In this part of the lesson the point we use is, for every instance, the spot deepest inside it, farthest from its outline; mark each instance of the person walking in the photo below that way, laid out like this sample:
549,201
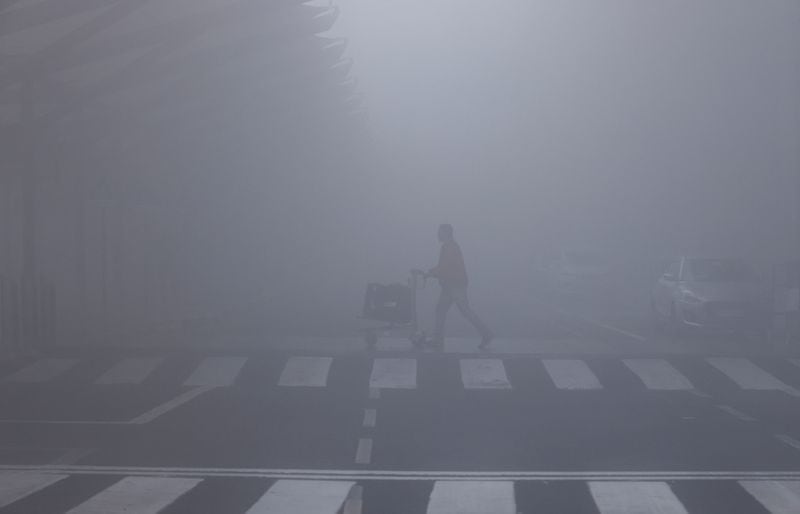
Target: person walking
452,275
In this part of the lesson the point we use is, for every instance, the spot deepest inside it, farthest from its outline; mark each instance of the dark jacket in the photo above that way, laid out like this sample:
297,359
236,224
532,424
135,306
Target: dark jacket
450,271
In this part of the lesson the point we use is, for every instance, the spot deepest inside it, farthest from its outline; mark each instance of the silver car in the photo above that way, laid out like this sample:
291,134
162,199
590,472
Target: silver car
710,293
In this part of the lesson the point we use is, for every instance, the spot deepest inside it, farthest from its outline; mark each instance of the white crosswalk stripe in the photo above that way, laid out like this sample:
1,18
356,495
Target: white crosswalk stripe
746,374
137,495
567,374
216,372
130,371
571,374
15,486
306,372
394,374
303,497
149,494
658,374
777,497
43,370
635,498
484,374
472,497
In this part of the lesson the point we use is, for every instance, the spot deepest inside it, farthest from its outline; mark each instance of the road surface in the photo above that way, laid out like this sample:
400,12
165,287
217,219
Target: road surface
591,421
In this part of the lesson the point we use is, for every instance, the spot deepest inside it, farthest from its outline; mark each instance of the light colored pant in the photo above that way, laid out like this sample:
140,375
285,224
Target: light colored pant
447,298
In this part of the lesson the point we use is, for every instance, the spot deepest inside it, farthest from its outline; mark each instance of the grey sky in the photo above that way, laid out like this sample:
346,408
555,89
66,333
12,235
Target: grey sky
642,128
677,115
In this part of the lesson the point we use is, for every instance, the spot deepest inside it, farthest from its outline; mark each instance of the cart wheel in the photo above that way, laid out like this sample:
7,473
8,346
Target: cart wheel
371,338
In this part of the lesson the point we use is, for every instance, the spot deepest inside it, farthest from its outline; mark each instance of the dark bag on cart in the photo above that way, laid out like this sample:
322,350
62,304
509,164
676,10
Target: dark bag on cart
388,303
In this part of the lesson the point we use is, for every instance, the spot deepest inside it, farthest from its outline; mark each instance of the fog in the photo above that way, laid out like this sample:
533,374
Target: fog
201,179
642,131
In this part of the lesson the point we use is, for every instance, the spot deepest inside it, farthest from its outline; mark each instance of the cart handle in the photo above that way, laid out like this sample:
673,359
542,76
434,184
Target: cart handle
419,273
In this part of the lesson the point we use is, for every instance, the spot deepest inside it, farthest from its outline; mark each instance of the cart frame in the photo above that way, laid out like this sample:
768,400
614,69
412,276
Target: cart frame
416,282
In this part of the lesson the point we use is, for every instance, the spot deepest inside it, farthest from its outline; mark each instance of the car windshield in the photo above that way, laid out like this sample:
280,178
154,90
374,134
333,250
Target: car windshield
720,270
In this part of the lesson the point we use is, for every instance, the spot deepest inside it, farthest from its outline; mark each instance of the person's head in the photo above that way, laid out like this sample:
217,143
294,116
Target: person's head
445,232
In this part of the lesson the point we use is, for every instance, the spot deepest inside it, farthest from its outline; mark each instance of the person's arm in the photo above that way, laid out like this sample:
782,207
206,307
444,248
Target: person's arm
448,257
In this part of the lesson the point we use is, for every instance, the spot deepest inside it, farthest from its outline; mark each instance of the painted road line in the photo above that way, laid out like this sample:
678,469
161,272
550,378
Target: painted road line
137,495
306,372
777,497
73,456
746,374
470,497
484,374
635,498
364,451
790,441
735,413
216,372
43,371
370,417
170,405
303,497
571,374
399,474
130,371
658,374
393,374
15,486
621,331
59,422
355,501
701,394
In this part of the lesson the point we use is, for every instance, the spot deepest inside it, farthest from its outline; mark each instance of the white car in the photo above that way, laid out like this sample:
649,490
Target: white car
710,293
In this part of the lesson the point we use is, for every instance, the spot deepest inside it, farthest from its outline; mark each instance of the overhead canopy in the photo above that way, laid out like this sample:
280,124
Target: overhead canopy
73,54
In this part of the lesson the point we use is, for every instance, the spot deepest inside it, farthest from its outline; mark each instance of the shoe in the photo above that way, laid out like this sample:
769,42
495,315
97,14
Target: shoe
487,339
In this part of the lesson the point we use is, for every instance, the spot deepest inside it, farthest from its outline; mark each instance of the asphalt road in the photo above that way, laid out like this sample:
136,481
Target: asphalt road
588,419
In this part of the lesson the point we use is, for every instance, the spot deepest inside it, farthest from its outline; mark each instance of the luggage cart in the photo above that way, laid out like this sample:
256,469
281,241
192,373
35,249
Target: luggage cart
394,305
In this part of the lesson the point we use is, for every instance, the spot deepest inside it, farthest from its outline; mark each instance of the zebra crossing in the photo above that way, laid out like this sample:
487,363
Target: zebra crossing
306,372
484,374
155,493
393,373
15,486
405,373
632,497
43,370
747,375
130,371
571,374
216,372
472,498
137,495
658,374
